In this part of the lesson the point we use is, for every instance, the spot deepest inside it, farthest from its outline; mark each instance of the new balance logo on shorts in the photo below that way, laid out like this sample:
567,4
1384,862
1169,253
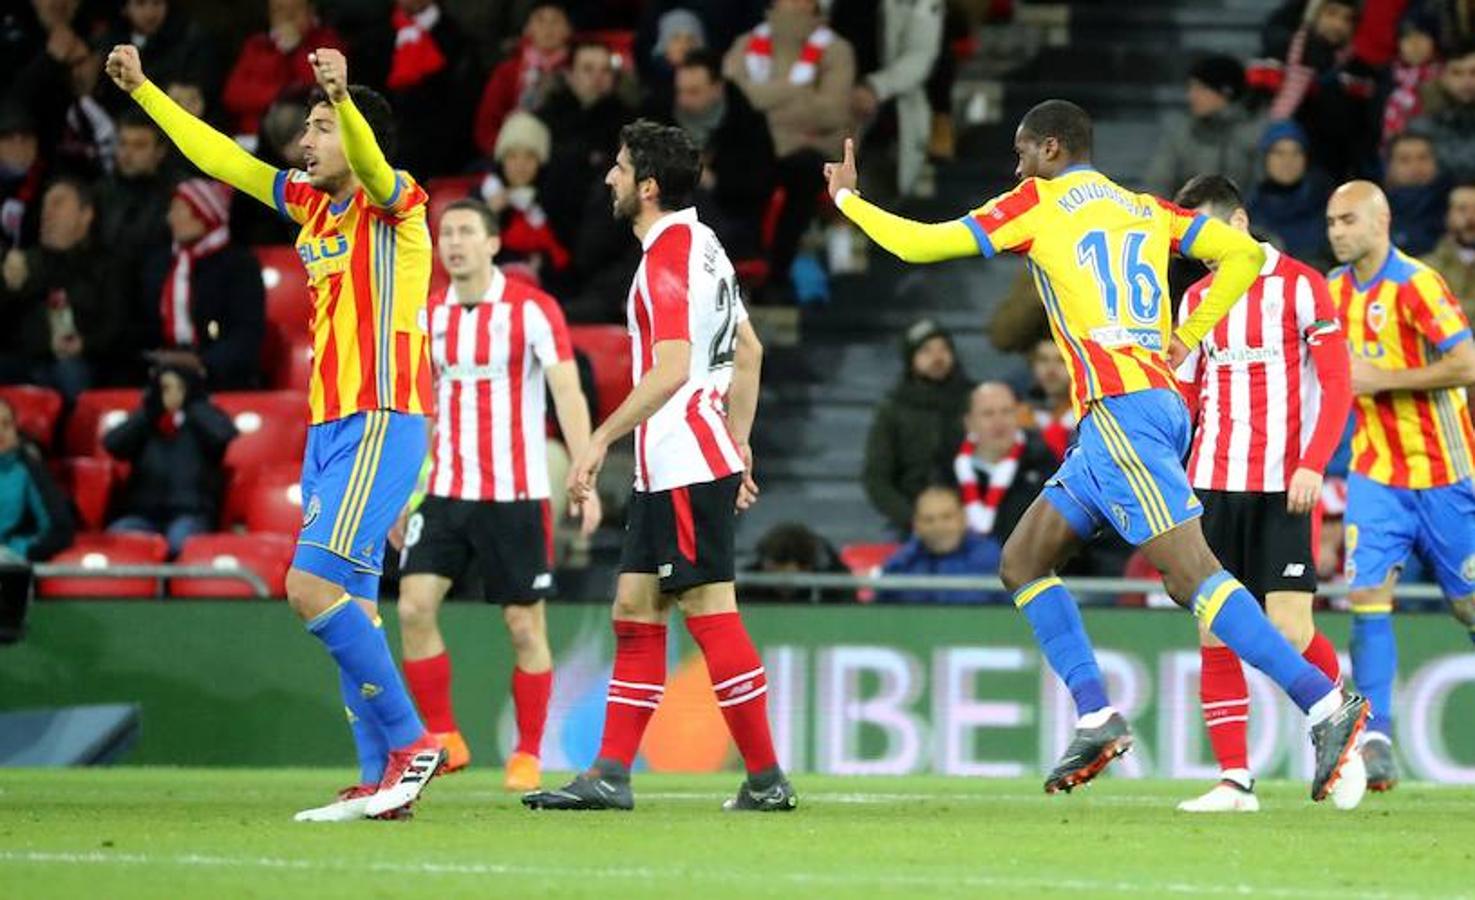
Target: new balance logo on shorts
665,570
543,581
1294,570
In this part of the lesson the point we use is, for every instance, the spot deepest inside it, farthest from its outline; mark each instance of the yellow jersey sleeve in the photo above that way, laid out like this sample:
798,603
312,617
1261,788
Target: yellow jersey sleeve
214,153
910,241
1008,222
365,158
1239,258
1428,305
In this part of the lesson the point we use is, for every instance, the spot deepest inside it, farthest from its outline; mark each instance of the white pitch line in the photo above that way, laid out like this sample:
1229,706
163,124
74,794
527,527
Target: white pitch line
938,881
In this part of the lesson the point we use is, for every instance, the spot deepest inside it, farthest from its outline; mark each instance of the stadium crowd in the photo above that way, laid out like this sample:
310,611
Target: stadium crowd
130,283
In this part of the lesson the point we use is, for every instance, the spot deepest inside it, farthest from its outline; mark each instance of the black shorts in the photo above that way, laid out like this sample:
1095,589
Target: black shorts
684,536
1261,543
511,543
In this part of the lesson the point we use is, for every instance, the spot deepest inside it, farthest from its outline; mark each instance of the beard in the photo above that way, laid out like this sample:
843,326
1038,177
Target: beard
625,208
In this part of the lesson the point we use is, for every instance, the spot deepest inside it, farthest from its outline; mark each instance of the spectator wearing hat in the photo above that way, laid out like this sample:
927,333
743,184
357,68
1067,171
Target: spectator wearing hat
526,79
918,425
513,193
174,442
1219,136
274,61
22,174
60,300
1417,193
678,32
584,115
204,303
35,521
428,68
1289,202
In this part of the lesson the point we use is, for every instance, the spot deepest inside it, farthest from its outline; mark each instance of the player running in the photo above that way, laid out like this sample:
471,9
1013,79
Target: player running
1269,385
367,253
498,345
1410,486
1099,254
693,349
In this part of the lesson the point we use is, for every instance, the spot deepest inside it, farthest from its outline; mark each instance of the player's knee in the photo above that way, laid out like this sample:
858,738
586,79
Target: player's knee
523,629
1293,622
416,612
1017,567
309,595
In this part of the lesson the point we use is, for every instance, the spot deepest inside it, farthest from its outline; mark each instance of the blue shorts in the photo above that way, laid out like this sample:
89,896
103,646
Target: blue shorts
1127,468
1385,524
357,474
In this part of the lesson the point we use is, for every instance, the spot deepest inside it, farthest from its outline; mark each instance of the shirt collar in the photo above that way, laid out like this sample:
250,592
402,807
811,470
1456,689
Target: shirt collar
495,289
1272,259
687,216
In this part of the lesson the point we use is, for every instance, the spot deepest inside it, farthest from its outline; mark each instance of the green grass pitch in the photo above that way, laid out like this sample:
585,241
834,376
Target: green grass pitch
185,833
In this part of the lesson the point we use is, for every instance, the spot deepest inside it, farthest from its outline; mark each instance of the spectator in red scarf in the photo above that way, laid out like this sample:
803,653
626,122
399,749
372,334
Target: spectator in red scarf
204,304
1000,467
1049,409
512,191
1416,65
526,79
275,60
428,66
174,441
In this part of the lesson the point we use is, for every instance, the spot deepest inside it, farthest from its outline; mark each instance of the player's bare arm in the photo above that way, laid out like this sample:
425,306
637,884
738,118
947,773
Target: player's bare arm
214,153
1455,369
742,405
572,410
666,376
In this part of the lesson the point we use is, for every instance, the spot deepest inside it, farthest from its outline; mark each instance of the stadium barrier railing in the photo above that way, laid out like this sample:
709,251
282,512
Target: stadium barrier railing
160,571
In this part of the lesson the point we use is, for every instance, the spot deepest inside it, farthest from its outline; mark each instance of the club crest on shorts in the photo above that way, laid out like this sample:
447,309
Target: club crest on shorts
1467,568
311,512
1120,512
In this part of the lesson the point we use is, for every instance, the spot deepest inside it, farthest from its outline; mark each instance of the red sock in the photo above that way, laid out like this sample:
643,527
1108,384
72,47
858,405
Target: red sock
635,688
1226,702
740,683
530,699
1323,655
429,681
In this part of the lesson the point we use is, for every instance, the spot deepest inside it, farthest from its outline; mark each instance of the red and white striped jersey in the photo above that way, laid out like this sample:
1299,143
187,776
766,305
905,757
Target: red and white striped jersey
490,358
685,289
1262,382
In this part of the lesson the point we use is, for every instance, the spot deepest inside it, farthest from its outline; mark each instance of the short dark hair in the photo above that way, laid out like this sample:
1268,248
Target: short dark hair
583,44
1063,121
703,58
488,218
1404,137
375,110
1218,192
666,154
133,117
81,188
792,544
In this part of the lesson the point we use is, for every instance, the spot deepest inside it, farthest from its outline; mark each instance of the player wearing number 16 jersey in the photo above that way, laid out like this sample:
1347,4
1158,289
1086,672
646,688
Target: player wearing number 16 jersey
696,363
1099,255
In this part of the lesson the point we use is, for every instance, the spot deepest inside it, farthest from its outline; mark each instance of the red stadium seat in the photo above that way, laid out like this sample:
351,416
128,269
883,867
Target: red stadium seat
272,426
88,480
866,559
291,366
36,411
268,499
268,555
445,191
101,551
288,300
608,349
96,412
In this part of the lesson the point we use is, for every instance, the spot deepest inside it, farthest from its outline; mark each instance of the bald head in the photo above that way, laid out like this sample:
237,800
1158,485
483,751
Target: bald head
992,419
1357,221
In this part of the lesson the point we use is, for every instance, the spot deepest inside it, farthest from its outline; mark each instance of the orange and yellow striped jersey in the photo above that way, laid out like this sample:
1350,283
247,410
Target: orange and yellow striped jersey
1099,256
368,268
1404,318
